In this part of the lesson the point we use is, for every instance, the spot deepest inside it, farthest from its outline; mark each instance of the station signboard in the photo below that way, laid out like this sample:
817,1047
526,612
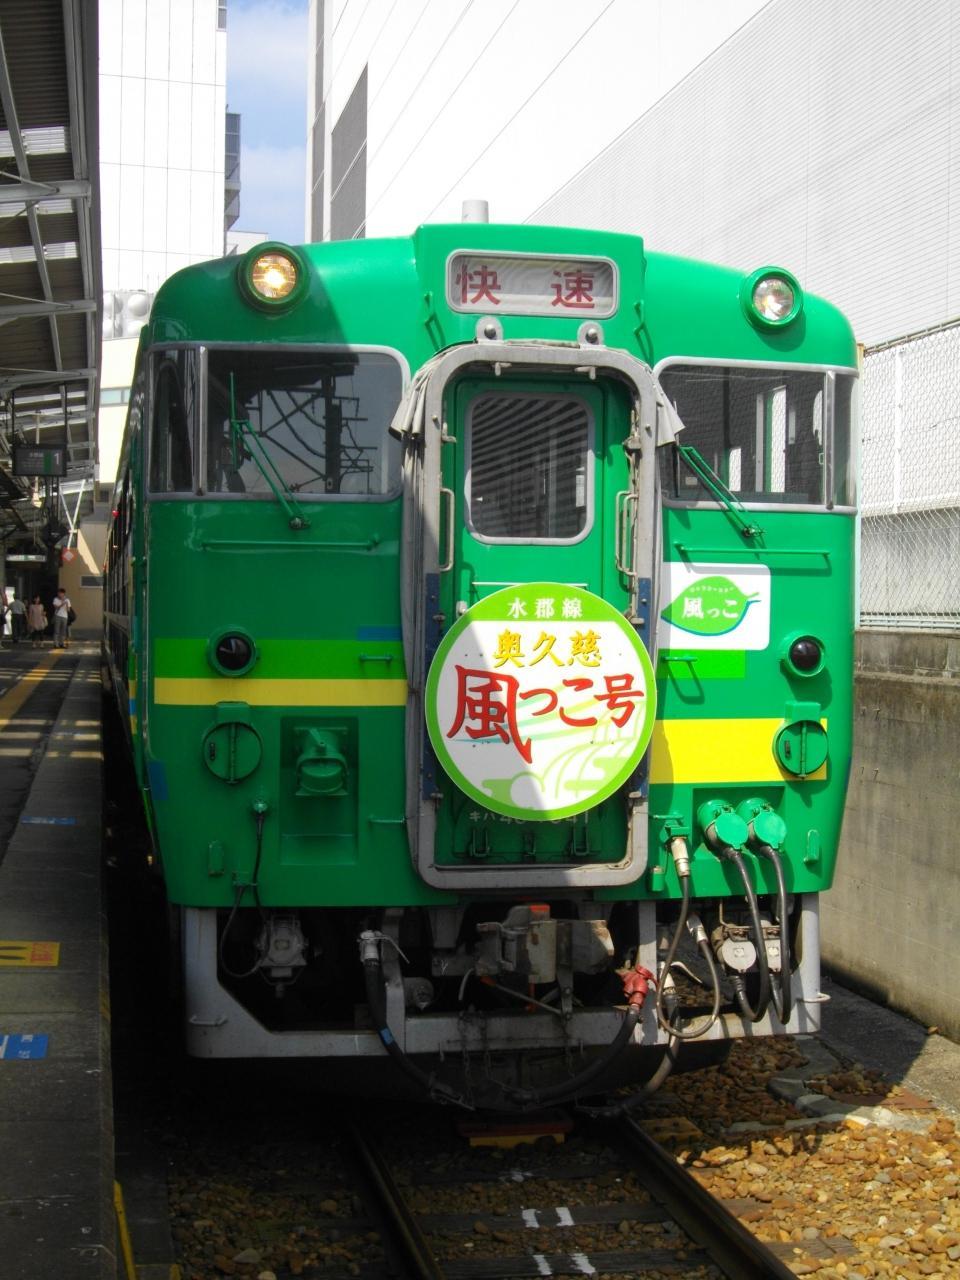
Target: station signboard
39,460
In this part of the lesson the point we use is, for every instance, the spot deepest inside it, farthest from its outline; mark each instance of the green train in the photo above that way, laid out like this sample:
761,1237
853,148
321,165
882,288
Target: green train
480,607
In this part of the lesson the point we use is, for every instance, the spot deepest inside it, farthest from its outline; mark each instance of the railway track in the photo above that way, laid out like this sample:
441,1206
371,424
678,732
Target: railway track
665,1224
266,1181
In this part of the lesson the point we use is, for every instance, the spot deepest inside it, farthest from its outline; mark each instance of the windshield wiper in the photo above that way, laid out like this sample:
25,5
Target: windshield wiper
702,469
242,435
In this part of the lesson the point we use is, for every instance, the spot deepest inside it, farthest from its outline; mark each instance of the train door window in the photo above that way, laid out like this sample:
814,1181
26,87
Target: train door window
174,397
318,421
844,441
529,468
761,430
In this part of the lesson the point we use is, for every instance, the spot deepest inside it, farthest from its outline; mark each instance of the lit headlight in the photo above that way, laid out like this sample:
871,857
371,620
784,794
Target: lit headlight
273,275
771,297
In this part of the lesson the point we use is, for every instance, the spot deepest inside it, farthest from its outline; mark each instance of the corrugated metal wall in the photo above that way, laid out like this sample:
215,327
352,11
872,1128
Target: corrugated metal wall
348,166
821,136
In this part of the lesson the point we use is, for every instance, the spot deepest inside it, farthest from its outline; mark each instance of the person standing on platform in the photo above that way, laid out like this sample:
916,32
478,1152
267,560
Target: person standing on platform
18,615
36,620
61,610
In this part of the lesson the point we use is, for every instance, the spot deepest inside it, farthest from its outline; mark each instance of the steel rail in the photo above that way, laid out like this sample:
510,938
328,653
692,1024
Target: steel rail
406,1233
737,1251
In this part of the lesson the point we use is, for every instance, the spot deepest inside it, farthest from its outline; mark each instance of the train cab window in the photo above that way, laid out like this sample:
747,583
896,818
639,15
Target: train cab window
763,431
529,468
318,419
174,395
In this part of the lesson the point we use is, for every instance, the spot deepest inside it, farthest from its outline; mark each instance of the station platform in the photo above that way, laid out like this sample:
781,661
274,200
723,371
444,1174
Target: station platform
56,1126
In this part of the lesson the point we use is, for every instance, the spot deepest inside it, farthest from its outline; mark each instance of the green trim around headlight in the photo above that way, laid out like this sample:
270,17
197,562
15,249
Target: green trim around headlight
749,284
245,276
786,656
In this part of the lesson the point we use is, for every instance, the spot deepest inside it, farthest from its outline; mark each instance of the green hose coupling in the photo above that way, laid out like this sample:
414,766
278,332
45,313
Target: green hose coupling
722,827
764,824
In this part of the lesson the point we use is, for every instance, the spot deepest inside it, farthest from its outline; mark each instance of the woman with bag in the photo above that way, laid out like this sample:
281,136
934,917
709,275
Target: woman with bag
62,609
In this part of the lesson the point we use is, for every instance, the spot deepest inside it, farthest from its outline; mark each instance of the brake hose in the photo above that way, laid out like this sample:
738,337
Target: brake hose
525,1098
681,858
739,986
700,1027
376,1000
569,1088
259,817
782,993
646,1090
672,950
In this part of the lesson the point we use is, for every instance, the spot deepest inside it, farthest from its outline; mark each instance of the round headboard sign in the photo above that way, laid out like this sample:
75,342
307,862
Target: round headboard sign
540,701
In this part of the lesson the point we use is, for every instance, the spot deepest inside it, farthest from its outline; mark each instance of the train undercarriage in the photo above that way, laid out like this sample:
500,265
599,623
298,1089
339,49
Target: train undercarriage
493,1004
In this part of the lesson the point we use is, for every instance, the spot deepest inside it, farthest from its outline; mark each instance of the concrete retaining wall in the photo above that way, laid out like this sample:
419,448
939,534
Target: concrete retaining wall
891,923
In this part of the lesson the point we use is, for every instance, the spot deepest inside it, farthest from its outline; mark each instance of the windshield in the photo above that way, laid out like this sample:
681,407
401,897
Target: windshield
763,431
321,418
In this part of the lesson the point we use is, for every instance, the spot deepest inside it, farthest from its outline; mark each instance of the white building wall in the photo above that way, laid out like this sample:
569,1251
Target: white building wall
116,374
841,161
502,100
162,119
163,102
821,136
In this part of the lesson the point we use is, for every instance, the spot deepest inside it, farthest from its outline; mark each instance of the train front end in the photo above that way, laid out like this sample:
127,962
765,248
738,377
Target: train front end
490,653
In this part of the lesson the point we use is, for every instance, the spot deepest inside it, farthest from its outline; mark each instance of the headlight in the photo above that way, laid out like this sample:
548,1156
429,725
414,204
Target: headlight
771,297
273,276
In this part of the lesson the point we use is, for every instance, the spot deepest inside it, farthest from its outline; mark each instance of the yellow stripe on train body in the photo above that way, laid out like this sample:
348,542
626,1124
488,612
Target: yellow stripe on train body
682,751
716,751
171,691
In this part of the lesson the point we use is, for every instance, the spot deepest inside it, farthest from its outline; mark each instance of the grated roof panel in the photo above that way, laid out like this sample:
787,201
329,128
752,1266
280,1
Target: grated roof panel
49,134
34,38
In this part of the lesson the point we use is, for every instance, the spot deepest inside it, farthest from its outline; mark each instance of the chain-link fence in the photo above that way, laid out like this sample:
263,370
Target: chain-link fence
910,482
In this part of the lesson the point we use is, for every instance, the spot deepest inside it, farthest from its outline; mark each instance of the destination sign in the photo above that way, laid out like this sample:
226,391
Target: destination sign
510,284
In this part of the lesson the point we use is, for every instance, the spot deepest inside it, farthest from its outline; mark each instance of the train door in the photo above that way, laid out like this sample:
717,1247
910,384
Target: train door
530,477
527,464
531,484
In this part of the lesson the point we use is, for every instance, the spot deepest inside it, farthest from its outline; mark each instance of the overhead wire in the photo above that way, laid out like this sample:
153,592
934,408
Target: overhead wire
527,100
443,106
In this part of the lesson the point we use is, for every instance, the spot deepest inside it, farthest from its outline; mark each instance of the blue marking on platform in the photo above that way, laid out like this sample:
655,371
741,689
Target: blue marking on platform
158,780
50,822
379,633
23,1046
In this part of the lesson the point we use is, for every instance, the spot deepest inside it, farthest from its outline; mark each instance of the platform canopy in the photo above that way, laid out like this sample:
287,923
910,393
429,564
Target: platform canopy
50,272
